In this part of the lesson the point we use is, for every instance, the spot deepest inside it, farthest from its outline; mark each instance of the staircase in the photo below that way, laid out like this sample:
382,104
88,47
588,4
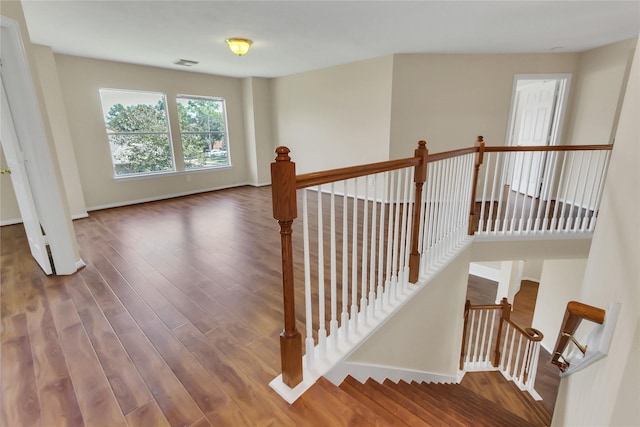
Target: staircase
482,399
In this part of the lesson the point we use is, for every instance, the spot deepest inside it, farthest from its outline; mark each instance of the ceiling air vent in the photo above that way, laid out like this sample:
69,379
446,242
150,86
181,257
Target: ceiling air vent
185,62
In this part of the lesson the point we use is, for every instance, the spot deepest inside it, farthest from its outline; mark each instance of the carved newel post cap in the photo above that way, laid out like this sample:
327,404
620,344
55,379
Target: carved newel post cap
283,154
422,144
480,138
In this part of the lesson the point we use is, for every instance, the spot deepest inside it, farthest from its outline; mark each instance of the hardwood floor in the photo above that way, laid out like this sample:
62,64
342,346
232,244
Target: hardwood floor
173,322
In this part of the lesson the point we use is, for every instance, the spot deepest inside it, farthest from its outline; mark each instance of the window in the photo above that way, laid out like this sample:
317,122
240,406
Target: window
203,131
138,131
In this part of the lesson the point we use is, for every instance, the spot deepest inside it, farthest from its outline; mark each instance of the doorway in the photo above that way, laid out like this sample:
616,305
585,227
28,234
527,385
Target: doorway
537,112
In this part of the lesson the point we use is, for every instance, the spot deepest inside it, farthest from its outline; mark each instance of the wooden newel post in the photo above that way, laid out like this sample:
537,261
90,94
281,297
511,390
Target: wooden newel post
283,193
504,316
476,169
420,176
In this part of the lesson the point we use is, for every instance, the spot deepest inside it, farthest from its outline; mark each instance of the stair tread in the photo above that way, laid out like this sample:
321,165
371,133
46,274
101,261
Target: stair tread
387,403
373,413
429,405
423,413
493,386
476,409
340,413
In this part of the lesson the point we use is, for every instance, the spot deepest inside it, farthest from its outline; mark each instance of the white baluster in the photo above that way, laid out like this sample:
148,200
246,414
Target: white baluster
511,347
372,245
388,291
557,220
504,347
396,237
531,380
310,350
322,331
345,261
493,321
603,174
354,259
590,210
484,336
333,325
515,362
570,220
487,167
365,252
494,184
402,260
476,347
383,208
471,347
542,223
521,225
581,206
502,225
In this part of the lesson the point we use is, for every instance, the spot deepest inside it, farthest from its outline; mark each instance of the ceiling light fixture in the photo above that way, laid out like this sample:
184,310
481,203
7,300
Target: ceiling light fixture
239,46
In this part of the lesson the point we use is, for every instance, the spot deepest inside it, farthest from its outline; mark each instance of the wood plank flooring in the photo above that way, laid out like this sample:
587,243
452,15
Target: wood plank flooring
173,322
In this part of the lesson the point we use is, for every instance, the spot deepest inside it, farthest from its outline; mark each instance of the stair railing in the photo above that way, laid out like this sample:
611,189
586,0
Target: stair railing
492,341
538,190
385,225
371,212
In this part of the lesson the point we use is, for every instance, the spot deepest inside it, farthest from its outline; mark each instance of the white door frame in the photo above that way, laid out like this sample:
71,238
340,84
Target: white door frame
46,185
557,123
21,186
560,107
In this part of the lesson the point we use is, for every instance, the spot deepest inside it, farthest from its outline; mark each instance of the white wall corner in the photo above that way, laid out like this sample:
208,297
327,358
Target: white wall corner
484,272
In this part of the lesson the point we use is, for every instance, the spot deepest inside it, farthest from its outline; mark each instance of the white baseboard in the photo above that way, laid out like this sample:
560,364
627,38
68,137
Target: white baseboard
19,220
11,221
163,197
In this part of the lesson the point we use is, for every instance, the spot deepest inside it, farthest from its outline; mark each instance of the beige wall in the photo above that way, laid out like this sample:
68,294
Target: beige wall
560,283
450,99
598,89
612,274
256,94
81,78
57,116
335,117
412,338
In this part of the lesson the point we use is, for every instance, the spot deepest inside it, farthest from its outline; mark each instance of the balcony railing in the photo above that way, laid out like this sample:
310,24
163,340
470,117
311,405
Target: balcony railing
369,234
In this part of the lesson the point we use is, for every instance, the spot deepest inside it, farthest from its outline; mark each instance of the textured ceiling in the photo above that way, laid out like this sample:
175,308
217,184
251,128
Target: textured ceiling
295,36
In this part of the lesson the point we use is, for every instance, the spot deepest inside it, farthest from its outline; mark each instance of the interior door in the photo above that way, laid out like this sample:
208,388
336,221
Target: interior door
20,181
536,106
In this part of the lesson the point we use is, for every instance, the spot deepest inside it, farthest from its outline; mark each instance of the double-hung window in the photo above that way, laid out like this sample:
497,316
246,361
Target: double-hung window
138,131
203,131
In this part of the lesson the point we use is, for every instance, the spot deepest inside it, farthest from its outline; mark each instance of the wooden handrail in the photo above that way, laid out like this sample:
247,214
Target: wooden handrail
453,153
333,175
573,316
506,148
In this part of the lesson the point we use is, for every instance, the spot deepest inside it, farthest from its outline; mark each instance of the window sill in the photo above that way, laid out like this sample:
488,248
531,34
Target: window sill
164,174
